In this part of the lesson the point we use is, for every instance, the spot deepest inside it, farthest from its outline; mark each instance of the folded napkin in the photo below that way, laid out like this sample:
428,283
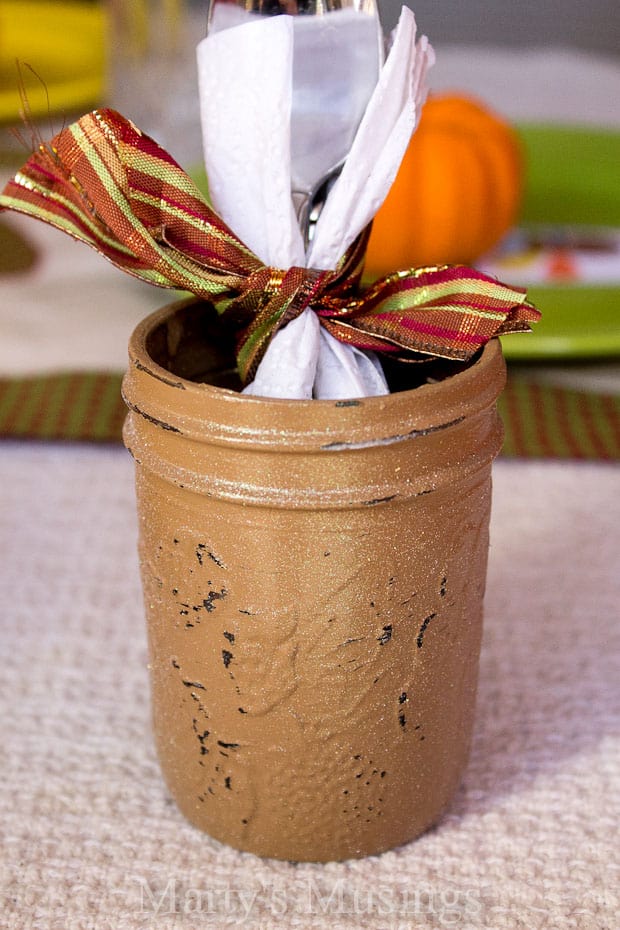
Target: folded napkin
245,80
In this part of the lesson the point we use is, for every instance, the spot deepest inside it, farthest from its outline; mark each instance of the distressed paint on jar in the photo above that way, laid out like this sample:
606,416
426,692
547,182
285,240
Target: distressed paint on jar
313,574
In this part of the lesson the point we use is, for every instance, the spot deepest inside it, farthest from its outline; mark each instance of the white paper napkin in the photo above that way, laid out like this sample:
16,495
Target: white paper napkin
245,82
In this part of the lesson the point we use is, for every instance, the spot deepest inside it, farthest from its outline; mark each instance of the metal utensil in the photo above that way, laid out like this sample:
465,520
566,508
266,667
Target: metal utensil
337,55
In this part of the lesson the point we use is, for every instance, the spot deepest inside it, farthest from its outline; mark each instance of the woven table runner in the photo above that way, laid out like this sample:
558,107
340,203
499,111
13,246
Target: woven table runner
541,420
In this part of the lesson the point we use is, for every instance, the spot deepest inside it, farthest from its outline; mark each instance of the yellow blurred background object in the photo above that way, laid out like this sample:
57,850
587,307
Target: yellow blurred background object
61,51
458,189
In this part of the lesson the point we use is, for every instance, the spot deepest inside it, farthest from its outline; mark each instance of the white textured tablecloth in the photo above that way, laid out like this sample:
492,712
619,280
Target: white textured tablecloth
90,838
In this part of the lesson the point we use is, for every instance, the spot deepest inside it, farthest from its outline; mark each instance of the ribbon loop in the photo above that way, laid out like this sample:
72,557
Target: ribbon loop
106,183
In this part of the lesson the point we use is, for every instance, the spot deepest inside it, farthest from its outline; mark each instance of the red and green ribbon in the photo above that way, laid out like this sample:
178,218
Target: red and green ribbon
106,183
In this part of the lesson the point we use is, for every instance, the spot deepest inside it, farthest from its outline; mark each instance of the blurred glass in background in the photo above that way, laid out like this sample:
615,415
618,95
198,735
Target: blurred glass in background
139,55
59,58
152,77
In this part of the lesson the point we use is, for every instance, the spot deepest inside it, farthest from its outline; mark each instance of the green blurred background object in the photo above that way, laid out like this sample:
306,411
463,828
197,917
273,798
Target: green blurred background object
572,180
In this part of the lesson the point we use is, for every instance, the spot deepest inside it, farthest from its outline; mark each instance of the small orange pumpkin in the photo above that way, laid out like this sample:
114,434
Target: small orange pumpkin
456,193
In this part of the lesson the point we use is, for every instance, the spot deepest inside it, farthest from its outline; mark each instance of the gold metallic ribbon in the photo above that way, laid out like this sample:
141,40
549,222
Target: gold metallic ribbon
106,183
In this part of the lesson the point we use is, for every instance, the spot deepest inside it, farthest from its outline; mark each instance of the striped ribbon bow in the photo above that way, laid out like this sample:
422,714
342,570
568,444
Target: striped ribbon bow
106,183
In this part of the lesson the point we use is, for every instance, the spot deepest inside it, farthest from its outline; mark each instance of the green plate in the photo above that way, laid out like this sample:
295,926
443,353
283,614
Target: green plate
577,322
572,179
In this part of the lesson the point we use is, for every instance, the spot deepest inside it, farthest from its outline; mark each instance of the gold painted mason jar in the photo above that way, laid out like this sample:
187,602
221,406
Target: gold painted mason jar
313,575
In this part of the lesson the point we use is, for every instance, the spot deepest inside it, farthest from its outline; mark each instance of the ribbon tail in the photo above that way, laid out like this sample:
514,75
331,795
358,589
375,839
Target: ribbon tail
446,311
520,319
26,194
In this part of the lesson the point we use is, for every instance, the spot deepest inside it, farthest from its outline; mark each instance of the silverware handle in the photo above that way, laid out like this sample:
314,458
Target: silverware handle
309,204
292,7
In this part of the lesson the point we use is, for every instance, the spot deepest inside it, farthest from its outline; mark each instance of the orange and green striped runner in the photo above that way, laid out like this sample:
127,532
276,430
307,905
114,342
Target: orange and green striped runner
541,420
546,421
79,406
